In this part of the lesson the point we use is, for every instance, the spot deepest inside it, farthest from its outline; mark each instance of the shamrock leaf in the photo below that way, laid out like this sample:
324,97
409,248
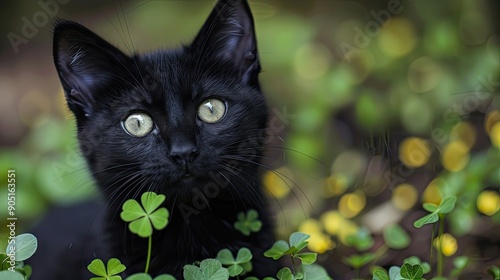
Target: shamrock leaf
297,242
108,272
143,218
412,272
248,223
210,269
445,207
236,266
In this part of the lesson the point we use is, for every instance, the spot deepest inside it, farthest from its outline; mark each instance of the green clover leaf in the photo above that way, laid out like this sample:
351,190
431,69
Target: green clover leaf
248,223
236,266
108,272
146,217
297,242
210,269
445,207
412,272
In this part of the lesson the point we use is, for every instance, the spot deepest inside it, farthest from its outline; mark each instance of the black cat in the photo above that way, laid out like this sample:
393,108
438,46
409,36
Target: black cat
188,123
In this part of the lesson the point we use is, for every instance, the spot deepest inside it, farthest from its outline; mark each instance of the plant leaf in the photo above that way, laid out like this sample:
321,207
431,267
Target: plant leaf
394,273
225,257
244,255
235,270
164,277
307,258
299,241
412,272
357,261
380,274
141,227
139,276
131,210
427,219
159,218
25,244
150,201
315,272
114,266
430,207
9,275
210,269
447,205
97,268
395,237
276,252
285,274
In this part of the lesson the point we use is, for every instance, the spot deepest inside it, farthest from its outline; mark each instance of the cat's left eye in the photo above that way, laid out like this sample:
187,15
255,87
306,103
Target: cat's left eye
138,124
212,110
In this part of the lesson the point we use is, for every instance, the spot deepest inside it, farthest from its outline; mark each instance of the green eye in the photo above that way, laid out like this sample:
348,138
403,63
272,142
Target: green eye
212,110
138,124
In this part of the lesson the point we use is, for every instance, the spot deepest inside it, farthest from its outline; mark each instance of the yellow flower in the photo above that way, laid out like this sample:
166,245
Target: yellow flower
488,202
447,244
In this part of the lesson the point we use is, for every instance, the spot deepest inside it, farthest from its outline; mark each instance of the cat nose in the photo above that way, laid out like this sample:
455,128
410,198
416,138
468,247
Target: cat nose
183,153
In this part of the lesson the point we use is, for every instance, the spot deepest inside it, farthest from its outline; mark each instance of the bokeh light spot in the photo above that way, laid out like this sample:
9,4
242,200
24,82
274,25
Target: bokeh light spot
432,193
464,132
332,221
455,156
397,38
312,61
336,184
495,135
424,74
488,202
414,152
404,196
277,182
492,118
351,204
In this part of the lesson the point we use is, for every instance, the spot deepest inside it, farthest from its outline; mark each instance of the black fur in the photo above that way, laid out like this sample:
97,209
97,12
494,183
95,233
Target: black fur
103,85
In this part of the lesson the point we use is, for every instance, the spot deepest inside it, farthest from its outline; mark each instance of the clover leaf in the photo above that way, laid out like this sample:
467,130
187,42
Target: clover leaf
248,223
412,272
236,266
297,242
445,207
143,218
144,276
210,269
108,272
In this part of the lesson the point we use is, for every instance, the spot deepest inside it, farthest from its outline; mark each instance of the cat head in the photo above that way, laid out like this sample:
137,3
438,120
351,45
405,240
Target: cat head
171,119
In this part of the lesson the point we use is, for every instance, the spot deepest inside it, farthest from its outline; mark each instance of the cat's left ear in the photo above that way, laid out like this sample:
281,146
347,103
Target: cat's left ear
228,34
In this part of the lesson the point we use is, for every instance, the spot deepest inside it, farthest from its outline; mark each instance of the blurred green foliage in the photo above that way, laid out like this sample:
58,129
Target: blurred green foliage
352,88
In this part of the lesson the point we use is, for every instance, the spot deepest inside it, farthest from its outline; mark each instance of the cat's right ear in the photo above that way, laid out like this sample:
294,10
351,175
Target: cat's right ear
85,63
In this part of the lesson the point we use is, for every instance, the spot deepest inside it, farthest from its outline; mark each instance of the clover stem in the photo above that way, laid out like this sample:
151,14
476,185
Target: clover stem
432,247
150,245
440,259
294,265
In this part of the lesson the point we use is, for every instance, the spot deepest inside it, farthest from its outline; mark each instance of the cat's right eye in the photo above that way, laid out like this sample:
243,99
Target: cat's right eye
138,124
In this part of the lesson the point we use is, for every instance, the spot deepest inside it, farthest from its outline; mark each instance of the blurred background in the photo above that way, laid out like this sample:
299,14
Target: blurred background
377,107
